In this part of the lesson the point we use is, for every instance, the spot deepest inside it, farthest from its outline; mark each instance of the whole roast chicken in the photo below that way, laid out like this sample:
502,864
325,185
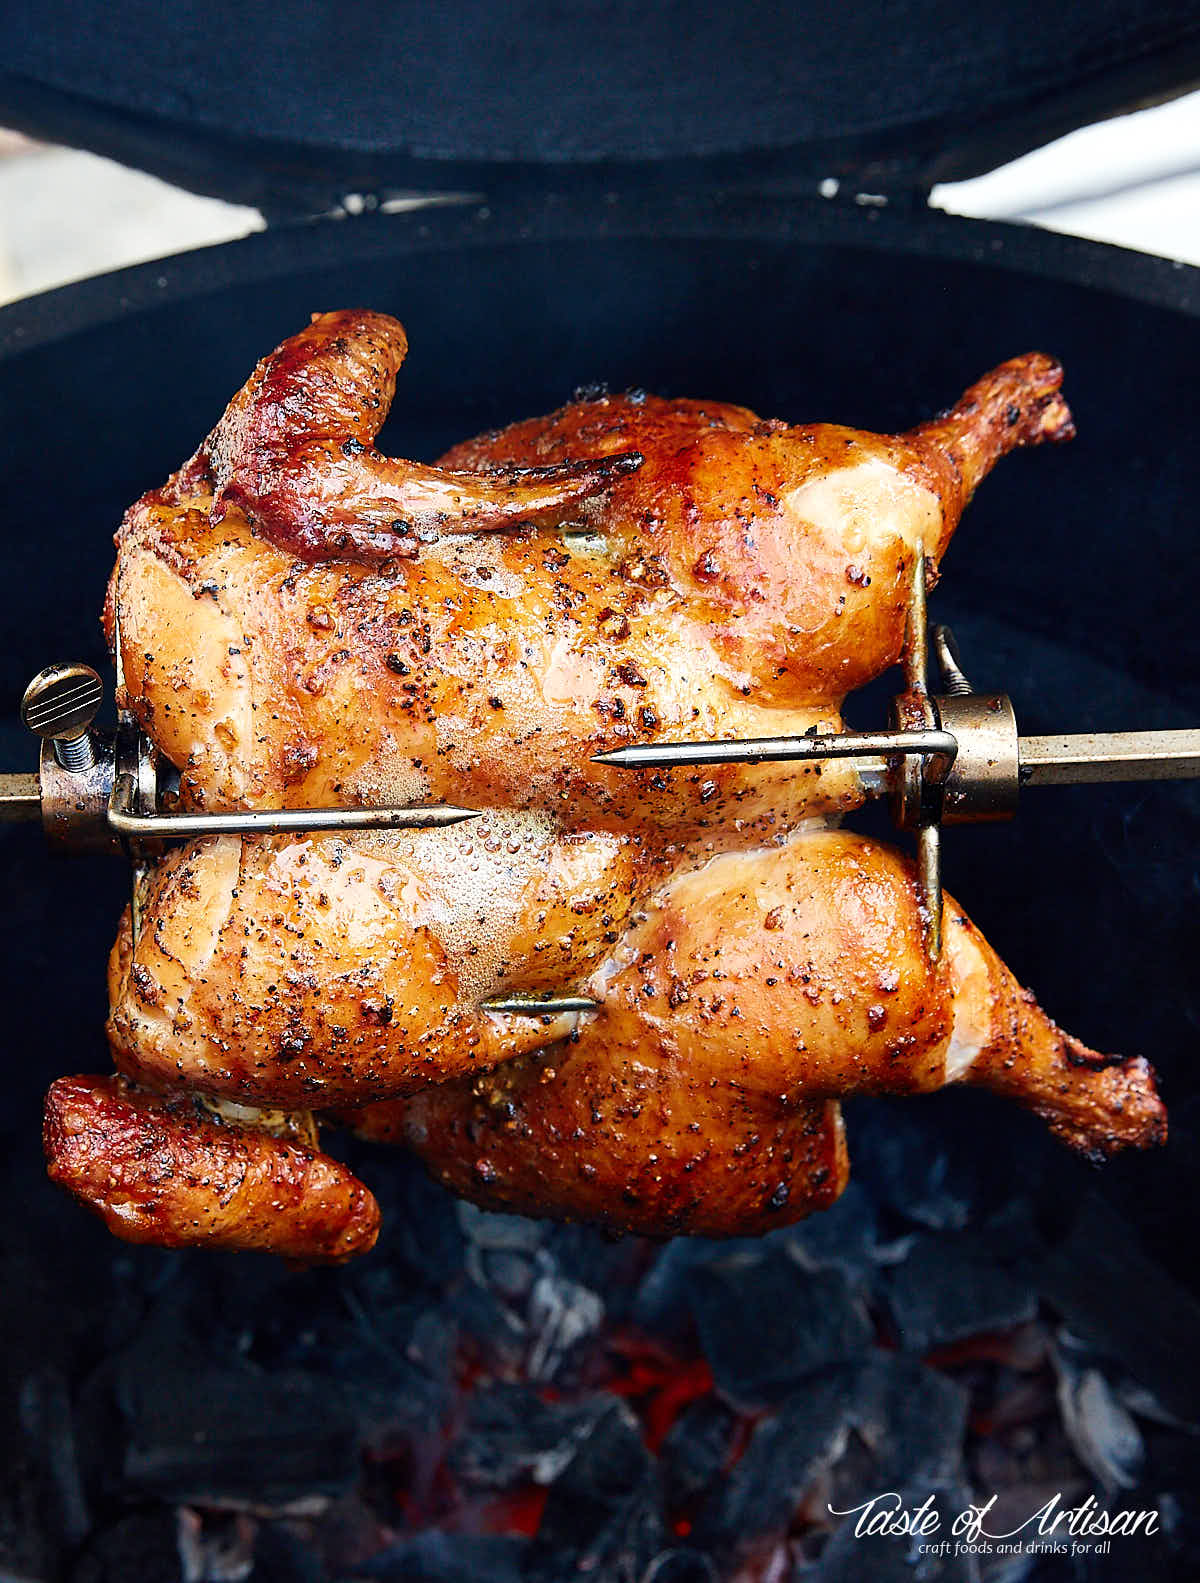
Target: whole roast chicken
303,622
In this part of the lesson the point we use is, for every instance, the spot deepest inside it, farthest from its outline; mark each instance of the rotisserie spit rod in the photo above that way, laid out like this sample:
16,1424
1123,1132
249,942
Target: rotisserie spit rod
981,761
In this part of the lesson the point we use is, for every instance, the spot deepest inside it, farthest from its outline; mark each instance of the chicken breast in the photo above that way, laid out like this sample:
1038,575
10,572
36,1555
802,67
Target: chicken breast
318,970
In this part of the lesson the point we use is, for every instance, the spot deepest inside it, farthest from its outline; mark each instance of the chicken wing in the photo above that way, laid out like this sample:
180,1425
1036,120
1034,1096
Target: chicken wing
167,1171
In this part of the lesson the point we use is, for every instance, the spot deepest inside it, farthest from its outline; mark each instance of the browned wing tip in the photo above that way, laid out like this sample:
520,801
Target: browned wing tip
156,1171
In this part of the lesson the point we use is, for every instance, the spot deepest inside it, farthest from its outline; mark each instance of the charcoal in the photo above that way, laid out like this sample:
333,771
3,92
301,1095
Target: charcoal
215,1547
952,1286
610,1264
887,1558
46,1417
397,1353
507,1273
561,1314
143,1545
663,1304
1102,1433
512,1436
422,1235
903,1160
30,1547
842,1237
284,1556
765,1323
787,1451
486,1228
499,1335
1120,1301
603,1516
1143,1403
228,1433
681,1565
1012,1234
436,1557
695,1450
911,1418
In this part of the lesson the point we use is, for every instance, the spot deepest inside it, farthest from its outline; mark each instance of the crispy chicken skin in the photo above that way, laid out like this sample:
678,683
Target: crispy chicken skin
298,971
625,1143
797,542
759,988
160,1170
303,622
737,583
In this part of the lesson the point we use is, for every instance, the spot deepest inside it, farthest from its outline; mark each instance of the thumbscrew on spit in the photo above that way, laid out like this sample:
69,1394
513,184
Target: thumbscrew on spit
59,706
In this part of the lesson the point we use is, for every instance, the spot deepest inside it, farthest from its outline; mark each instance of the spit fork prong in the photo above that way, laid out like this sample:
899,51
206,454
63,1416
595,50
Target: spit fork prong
540,1005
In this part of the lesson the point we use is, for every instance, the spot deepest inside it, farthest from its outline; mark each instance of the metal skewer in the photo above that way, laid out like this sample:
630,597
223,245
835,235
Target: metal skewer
771,750
20,798
125,821
539,1005
1072,760
1110,756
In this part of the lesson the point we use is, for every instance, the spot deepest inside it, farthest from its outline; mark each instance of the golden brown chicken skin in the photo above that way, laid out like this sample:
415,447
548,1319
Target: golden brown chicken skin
485,673
578,1133
306,970
702,1096
738,583
797,541
164,1171
303,622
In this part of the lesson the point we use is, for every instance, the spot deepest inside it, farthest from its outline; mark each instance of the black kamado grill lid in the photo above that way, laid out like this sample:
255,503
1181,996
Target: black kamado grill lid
289,107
